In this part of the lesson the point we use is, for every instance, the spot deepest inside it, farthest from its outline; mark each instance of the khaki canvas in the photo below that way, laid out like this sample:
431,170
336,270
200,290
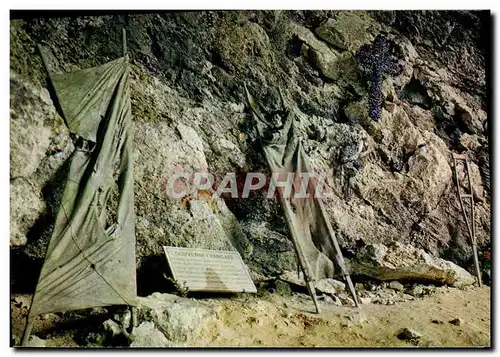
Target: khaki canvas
90,260
306,217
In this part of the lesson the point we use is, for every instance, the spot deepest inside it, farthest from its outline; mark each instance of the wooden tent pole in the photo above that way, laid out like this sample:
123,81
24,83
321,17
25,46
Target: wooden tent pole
133,319
27,328
340,258
133,309
300,253
27,332
124,41
473,226
470,224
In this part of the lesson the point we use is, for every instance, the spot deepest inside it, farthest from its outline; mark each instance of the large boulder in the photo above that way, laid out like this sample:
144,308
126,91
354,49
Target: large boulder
405,262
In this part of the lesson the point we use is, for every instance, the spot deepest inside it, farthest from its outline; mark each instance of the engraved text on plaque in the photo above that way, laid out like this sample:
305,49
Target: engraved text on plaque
209,270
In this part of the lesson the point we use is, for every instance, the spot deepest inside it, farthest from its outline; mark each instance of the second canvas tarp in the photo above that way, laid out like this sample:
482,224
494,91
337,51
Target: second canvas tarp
312,234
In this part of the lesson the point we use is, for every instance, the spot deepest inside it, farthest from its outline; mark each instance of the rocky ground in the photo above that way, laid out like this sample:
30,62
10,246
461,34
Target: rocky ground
415,316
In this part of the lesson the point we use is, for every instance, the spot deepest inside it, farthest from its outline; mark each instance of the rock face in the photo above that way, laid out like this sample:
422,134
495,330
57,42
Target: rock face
405,262
187,75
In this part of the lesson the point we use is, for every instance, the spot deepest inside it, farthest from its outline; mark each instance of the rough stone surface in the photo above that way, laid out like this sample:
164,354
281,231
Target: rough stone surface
396,285
30,130
354,318
347,31
181,320
112,328
457,322
146,335
400,261
329,286
36,342
409,334
416,290
283,288
365,300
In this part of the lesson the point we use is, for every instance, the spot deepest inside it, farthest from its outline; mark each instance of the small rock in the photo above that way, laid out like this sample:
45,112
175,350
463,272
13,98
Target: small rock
408,334
359,287
326,298
337,285
355,318
390,107
112,328
347,301
336,300
365,300
146,335
439,322
408,297
95,339
416,290
428,290
329,286
35,341
123,318
282,288
371,285
396,285
457,322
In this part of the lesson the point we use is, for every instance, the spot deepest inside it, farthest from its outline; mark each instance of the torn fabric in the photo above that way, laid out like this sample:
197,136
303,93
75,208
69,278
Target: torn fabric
305,217
90,259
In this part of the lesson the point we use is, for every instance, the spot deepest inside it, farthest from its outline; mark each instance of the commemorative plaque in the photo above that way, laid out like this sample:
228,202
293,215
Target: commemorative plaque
209,270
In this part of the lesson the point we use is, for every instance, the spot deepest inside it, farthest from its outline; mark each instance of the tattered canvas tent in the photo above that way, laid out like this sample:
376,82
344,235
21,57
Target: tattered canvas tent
312,234
90,259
